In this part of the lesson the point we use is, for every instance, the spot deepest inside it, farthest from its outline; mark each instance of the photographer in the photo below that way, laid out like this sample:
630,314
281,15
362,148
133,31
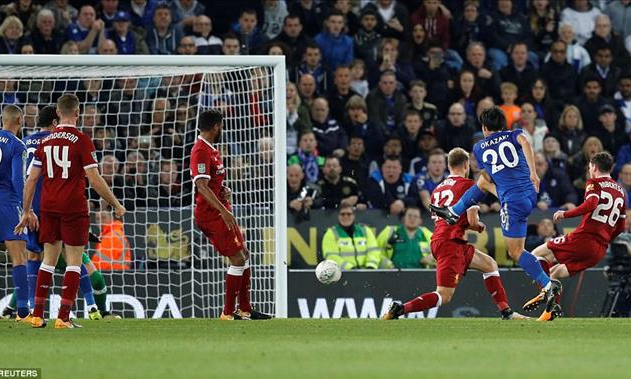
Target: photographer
299,195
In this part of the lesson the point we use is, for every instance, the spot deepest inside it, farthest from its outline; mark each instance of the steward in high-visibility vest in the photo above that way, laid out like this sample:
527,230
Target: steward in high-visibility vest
349,244
113,252
407,245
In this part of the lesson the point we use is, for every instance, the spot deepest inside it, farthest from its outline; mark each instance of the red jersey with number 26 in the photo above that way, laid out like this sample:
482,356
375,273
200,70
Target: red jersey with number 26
609,216
63,156
206,163
447,193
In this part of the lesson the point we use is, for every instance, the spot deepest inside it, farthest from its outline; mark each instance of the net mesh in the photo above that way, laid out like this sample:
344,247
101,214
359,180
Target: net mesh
142,121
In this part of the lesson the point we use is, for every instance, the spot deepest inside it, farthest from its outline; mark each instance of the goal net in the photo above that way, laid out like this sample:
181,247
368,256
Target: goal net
141,113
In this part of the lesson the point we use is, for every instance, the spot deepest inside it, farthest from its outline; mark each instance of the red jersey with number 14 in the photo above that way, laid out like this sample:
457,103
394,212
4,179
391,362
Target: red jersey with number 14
206,163
63,156
603,221
447,193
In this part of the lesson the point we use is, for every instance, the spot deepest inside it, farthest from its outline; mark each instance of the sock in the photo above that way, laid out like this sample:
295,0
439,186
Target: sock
69,291
244,292
99,290
20,281
234,277
32,267
44,279
13,302
423,302
473,196
545,265
493,284
529,263
86,287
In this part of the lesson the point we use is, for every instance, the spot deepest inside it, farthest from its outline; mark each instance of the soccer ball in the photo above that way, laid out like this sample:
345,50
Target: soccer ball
328,272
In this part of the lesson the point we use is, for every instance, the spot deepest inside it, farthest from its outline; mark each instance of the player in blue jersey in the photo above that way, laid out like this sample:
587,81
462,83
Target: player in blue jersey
508,171
12,155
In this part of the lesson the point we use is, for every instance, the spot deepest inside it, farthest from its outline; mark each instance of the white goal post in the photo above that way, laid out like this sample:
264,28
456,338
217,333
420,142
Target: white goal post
141,111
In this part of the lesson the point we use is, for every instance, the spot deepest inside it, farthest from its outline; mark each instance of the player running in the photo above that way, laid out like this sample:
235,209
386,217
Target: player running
12,154
66,157
508,171
453,254
214,217
603,212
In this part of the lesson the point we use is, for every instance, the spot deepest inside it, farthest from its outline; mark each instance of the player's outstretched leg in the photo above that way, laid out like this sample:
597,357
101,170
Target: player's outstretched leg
451,214
234,279
245,310
100,291
32,267
421,303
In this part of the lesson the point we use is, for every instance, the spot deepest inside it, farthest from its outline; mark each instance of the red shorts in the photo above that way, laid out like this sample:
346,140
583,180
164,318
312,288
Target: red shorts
226,242
453,258
71,228
577,252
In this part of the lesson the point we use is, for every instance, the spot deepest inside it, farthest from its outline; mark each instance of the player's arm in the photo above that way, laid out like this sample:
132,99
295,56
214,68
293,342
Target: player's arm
17,167
101,187
530,159
485,183
590,203
202,187
473,218
28,217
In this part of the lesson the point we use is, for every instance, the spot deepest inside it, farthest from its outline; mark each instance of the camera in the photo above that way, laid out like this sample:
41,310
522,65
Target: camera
618,270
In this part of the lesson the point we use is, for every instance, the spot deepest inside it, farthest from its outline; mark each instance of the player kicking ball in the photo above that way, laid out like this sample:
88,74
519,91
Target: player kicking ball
214,217
603,212
508,171
453,254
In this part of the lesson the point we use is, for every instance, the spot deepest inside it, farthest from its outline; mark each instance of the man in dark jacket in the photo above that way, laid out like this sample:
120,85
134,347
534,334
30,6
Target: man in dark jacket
331,137
486,77
455,131
560,74
590,102
603,36
389,188
386,103
519,72
602,69
610,131
555,189
294,37
510,27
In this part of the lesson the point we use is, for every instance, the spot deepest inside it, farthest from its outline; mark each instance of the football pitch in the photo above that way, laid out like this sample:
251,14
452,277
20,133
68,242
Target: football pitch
296,348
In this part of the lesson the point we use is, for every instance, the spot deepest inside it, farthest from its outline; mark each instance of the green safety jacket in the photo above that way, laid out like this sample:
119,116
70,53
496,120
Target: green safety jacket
403,252
360,251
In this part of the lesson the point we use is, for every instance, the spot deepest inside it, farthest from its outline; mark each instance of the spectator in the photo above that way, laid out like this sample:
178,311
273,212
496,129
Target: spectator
466,92
295,123
113,252
307,157
136,181
427,143
164,35
519,72
390,189
311,14
141,12
437,75
354,162
125,106
24,10
341,92
64,13
312,65
170,192
337,190
307,92
11,32
487,79
388,60
570,130
580,161
602,69
555,189
419,44
512,111
184,12
45,37
580,15
407,245
471,28
417,94
625,181
368,37
187,46
576,54
107,47
393,17
554,155
86,30
350,245
107,10
620,14
590,102
560,75
249,34
294,36
275,13
510,27
609,131
207,43
603,36
622,99
231,45
70,48
535,129
456,130
360,125
544,22
110,171
336,46
386,104
425,183
331,136
543,103
434,21
409,133
623,157
545,232
127,41
359,83
299,195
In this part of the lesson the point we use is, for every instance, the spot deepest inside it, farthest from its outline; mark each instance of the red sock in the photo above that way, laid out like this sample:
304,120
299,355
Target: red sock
234,277
545,265
69,291
422,303
494,285
44,279
244,292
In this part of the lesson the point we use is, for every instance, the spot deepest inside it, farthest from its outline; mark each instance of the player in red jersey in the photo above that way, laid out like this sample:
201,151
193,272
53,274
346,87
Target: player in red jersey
453,254
603,212
65,158
213,215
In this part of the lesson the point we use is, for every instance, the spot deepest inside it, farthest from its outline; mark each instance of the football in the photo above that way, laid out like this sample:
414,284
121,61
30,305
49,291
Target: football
328,272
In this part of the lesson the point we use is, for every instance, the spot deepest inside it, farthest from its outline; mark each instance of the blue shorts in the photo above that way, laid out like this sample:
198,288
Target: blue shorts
514,216
9,218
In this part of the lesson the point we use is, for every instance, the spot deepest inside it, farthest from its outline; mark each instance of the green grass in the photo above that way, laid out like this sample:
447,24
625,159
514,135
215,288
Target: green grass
294,348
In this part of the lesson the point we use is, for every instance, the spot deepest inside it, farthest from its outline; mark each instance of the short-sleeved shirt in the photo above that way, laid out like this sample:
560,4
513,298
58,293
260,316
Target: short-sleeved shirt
32,142
206,163
63,157
12,154
447,193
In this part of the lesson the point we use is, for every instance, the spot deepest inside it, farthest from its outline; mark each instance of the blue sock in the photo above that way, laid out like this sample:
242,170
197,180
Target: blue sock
21,289
32,267
473,196
86,286
532,267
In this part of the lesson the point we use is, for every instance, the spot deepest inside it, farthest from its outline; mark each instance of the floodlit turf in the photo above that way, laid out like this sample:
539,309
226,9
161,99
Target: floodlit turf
439,348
